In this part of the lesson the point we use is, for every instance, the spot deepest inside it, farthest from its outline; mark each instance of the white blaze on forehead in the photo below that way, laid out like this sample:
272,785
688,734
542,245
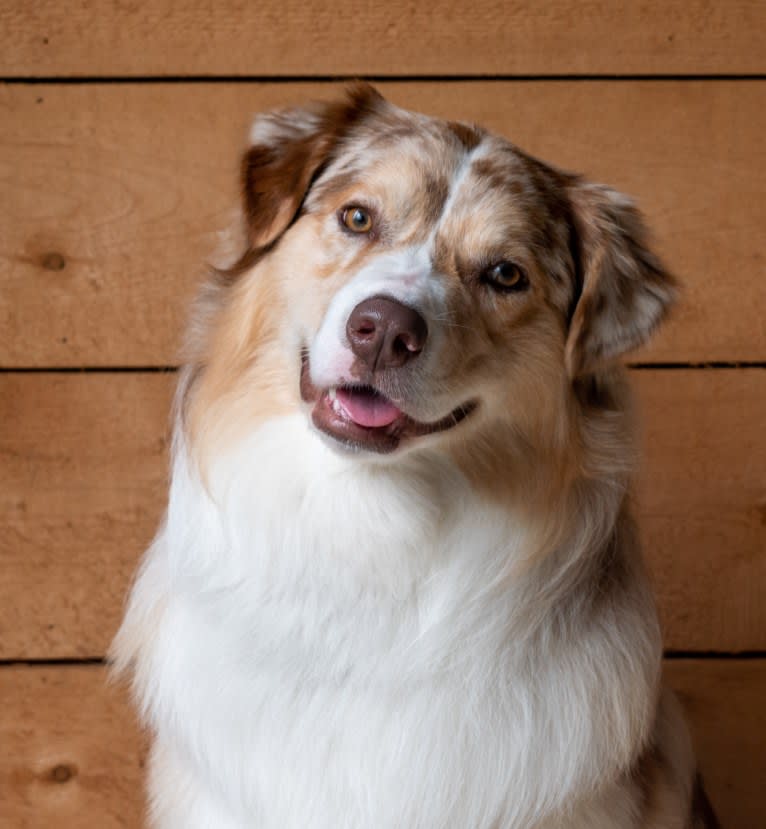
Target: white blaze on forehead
405,275
456,185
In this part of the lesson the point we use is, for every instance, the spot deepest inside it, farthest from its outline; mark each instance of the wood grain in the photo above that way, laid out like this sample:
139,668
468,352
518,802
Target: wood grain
446,37
73,757
723,700
82,487
702,504
72,753
113,194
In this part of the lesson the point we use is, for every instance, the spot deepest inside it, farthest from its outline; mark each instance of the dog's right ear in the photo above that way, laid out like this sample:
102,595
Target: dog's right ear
288,148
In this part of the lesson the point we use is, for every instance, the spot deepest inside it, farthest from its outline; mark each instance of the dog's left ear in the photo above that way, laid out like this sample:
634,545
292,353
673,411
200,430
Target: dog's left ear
625,289
288,148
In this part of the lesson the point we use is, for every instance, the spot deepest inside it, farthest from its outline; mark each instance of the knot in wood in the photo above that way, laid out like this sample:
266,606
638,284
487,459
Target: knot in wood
62,773
53,262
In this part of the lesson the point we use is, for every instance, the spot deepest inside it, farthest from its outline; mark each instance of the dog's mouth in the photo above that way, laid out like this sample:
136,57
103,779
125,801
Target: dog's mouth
361,417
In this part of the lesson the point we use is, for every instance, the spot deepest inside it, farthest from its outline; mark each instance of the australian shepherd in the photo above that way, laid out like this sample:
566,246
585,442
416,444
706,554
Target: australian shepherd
398,585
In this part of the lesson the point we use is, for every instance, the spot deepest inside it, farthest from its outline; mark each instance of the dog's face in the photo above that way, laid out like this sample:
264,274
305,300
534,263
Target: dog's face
423,279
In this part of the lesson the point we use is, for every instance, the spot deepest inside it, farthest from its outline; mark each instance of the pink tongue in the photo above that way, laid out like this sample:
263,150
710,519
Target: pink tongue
366,408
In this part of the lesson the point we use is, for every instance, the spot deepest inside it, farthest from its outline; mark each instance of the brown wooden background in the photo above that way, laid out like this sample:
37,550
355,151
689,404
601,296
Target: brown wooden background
120,127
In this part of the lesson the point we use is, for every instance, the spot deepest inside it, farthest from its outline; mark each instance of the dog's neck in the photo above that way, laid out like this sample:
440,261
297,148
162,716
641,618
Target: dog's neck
390,527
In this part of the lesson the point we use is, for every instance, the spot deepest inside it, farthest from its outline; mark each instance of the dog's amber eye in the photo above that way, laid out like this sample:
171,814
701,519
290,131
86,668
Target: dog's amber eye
505,276
357,219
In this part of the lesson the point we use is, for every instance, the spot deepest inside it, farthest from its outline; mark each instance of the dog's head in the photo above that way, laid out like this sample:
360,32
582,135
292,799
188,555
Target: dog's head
406,277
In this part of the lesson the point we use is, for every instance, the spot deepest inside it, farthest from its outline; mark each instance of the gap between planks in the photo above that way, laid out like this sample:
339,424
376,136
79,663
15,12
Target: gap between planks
334,79
661,366
669,655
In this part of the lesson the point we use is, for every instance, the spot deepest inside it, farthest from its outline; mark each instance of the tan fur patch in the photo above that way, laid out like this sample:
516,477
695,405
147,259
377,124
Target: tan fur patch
243,377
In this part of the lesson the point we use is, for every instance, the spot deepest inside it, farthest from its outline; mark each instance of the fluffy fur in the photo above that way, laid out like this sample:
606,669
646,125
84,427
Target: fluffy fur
449,627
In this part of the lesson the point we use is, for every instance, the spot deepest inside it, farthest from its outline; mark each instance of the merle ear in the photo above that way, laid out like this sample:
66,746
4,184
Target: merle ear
625,289
288,148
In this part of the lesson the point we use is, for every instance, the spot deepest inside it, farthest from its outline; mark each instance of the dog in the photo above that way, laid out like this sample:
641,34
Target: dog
398,584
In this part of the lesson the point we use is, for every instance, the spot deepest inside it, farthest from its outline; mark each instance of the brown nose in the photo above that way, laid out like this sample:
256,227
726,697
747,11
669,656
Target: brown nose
383,333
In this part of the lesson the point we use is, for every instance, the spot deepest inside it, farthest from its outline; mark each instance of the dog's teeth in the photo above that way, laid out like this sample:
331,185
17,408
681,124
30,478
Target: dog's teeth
332,396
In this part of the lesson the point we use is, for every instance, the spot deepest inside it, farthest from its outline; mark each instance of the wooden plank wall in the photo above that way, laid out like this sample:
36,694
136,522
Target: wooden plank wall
120,128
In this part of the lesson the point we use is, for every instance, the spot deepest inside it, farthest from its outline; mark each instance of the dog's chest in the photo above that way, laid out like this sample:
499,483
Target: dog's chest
311,706
340,661
324,671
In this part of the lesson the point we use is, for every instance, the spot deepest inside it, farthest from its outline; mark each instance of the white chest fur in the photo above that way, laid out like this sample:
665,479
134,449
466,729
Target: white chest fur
332,646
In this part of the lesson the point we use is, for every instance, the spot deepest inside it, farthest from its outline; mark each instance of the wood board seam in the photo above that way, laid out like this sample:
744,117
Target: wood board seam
334,79
173,369
668,655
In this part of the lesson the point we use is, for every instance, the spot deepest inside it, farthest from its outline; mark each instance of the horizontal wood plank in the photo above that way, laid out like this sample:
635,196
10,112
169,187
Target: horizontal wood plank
702,504
73,755
83,485
113,195
723,701
445,37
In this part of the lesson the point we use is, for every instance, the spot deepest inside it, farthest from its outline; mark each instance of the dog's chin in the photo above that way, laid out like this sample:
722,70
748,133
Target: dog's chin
359,418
